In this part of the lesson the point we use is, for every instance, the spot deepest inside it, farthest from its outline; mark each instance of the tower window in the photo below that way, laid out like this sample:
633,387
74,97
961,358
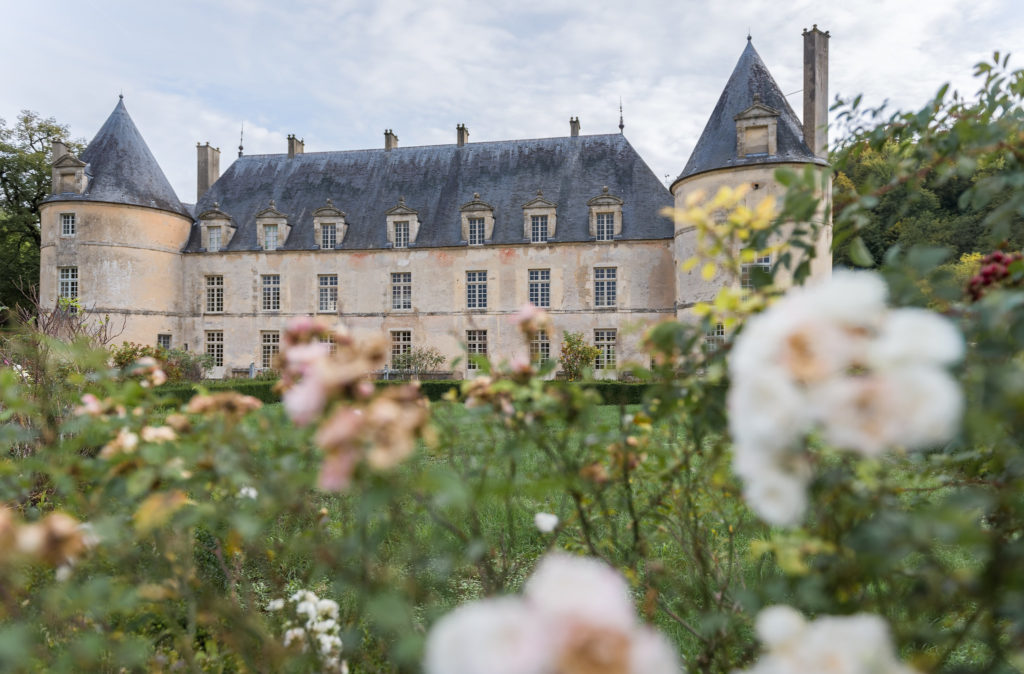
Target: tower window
67,224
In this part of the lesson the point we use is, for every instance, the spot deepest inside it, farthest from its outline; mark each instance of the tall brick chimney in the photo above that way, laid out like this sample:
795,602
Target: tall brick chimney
295,146
207,168
390,139
816,90
461,135
574,126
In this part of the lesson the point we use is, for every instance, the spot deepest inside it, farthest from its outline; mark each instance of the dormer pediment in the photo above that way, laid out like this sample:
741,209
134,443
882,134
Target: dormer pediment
69,161
605,199
401,209
328,211
271,212
540,202
756,111
476,205
215,214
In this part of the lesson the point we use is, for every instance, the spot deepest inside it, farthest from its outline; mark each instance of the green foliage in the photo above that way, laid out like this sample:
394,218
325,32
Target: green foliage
177,364
24,183
577,355
419,359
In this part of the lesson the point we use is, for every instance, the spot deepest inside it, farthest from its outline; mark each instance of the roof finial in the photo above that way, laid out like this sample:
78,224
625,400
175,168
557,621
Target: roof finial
748,34
241,135
622,124
120,96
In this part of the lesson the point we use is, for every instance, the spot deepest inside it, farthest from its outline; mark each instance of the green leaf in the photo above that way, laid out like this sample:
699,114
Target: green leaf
859,253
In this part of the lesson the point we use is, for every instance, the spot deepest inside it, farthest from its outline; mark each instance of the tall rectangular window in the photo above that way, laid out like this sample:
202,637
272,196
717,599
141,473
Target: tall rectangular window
762,263
271,284
401,290
604,286
163,341
604,340
714,338
476,345
605,226
402,234
67,286
215,346
213,239
328,236
476,289
214,294
269,237
67,224
540,287
271,343
476,231
540,347
401,346
328,292
538,228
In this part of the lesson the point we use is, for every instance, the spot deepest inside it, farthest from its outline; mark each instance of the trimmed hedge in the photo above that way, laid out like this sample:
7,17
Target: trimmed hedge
611,392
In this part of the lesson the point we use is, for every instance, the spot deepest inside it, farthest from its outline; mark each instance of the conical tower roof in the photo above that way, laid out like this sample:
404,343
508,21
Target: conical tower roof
716,148
122,169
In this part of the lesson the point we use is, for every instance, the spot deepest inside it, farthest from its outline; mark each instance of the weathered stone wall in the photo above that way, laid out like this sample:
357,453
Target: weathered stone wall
439,316
128,261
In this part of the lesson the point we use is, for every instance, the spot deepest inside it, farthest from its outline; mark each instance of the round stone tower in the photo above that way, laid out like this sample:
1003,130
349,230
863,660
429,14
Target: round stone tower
752,132
112,232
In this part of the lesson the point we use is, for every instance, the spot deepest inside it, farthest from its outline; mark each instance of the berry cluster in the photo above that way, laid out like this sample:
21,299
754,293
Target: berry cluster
995,270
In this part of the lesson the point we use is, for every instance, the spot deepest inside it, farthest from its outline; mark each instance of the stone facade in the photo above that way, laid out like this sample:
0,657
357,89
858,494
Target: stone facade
437,245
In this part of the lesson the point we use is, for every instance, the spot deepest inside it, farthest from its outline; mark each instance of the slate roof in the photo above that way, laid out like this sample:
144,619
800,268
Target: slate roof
717,145
436,180
122,170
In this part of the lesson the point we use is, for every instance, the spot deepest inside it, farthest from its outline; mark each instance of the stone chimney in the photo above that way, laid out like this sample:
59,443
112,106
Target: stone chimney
390,140
295,146
59,150
461,135
574,126
207,168
816,90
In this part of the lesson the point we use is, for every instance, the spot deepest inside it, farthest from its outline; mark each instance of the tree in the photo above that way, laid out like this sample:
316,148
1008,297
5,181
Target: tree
577,355
419,359
24,183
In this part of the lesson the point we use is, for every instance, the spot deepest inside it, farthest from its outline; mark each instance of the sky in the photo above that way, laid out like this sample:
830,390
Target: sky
337,73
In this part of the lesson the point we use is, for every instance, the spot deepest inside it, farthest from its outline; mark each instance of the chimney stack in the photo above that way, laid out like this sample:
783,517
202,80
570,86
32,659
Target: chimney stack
207,168
816,90
295,146
461,134
390,140
574,126
59,149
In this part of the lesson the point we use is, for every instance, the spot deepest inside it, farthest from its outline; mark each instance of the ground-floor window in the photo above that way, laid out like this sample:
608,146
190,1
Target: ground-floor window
401,346
605,341
215,346
476,345
271,342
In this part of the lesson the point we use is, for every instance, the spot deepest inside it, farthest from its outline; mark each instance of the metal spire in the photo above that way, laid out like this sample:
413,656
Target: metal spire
241,135
622,124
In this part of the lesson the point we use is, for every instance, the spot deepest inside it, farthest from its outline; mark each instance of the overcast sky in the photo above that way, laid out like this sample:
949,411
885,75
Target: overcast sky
338,72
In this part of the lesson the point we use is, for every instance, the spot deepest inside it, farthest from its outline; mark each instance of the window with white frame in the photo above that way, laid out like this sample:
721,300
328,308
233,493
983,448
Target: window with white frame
328,235
269,237
271,345
605,286
476,345
540,347
327,299
714,338
605,226
215,346
67,286
163,341
604,340
402,234
476,289
540,287
762,263
401,290
271,292
214,294
476,231
213,239
67,224
538,228
401,346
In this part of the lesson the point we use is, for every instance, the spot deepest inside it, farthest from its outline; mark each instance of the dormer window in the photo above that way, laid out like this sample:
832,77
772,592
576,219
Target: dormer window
216,229
69,175
477,221
605,216
403,224
756,130
329,226
272,228
539,219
